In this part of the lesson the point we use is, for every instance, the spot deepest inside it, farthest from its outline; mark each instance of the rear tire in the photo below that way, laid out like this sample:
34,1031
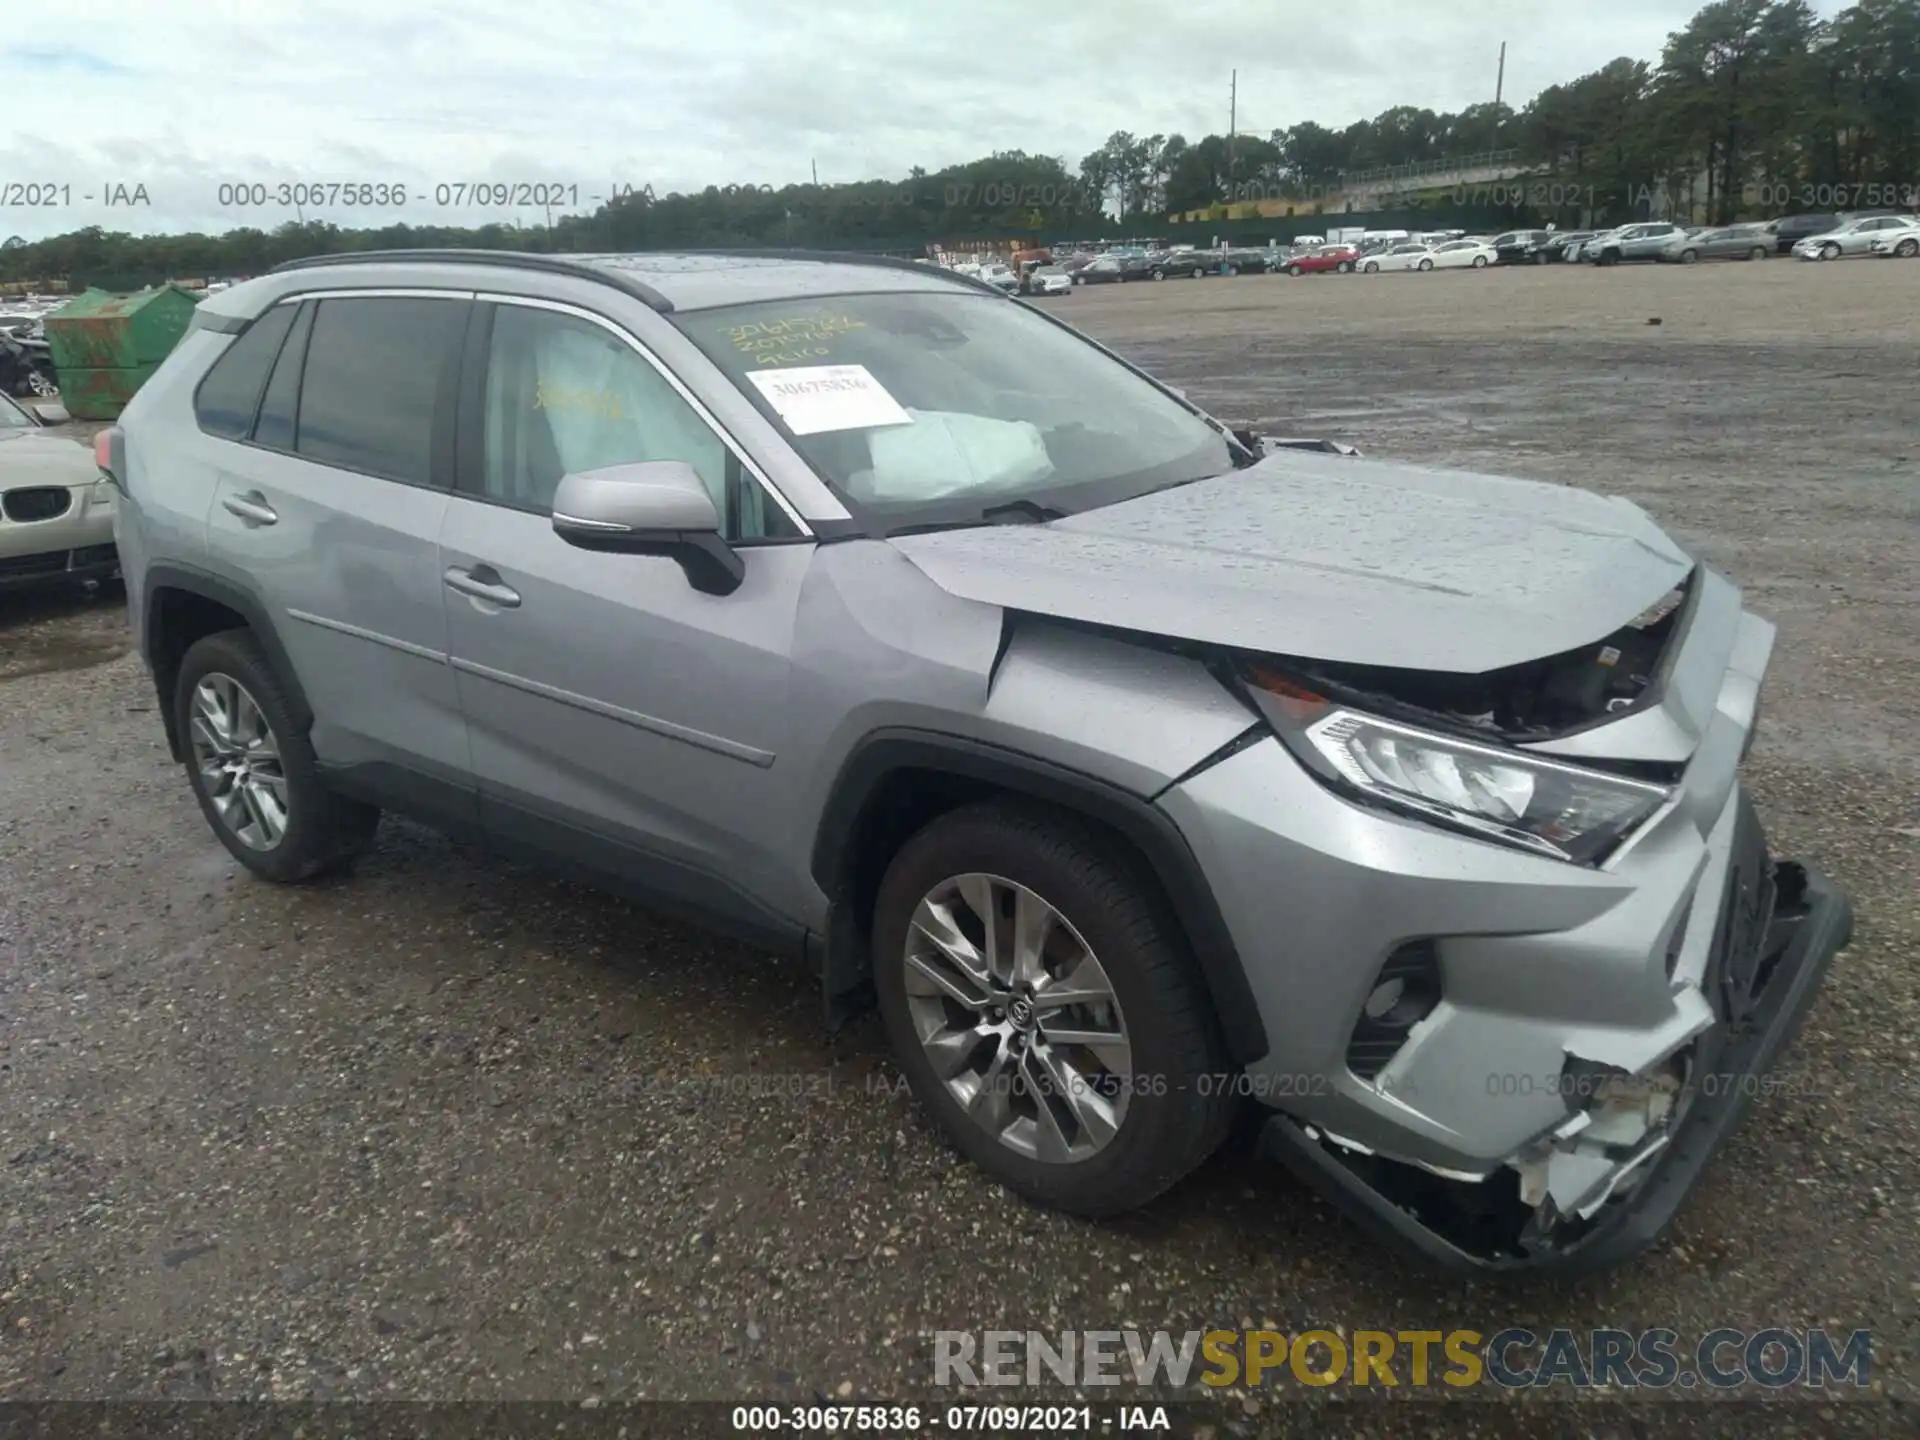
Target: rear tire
1098,906
1295,271
1426,264
258,783
1479,262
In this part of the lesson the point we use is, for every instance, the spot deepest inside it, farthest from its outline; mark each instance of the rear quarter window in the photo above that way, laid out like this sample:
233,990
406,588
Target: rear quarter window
228,397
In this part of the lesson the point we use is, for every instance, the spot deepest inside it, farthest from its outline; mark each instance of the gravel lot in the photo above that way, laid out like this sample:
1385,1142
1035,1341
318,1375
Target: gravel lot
448,1129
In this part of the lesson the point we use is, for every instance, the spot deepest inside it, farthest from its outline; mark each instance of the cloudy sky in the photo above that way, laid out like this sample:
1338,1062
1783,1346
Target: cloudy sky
102,99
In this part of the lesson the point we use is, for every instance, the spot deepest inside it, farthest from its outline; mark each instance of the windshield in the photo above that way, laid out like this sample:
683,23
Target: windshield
12,417
930,407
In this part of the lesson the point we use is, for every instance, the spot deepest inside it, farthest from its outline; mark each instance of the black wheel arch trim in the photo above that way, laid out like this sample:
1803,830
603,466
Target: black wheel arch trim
844,964
237,598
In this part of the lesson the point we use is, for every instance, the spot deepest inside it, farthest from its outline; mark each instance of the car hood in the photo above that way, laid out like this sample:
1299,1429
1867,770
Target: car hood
1332,558
34,457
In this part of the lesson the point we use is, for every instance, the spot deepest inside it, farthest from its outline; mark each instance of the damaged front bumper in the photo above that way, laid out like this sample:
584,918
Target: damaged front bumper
1602,1187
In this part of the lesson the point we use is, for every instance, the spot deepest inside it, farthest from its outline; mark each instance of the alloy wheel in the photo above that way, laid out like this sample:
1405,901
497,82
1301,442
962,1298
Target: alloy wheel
238,758
1017,1018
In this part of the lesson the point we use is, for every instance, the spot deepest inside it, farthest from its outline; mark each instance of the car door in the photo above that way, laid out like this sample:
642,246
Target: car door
620,718
1860,241
330,511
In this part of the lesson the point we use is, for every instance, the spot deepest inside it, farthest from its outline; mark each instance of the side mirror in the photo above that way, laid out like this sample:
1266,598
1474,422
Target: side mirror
48,413
652,507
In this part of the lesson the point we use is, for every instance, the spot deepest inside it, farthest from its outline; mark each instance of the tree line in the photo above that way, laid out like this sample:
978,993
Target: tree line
1756,107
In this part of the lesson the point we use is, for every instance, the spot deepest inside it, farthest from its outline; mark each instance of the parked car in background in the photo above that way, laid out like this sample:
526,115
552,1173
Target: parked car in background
1188,263
1646,240
1563,247
1790,230
1049,280
1244,260
1328,259
1731,242
1520,247
1408,256
56,508
1463,254
1854,238
1001,277
1893,244
1102,270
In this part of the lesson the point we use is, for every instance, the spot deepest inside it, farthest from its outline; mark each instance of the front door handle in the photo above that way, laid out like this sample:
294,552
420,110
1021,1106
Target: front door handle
483,582
251,507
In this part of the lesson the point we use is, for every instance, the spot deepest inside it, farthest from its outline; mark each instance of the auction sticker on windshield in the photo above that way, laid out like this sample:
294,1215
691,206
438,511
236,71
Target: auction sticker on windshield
817,398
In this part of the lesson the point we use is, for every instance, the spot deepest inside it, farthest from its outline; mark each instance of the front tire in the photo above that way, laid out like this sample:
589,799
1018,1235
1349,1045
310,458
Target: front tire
1295,271
1689,257
1829,252
1907,249
1372,267
1759,252
253,770
1044,1009
1426,264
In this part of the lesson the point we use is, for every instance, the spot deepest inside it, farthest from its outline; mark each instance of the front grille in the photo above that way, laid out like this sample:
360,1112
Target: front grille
1738,969
1415,969
36,502
94,555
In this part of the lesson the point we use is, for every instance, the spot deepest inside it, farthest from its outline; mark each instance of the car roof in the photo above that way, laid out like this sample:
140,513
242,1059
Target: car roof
679,280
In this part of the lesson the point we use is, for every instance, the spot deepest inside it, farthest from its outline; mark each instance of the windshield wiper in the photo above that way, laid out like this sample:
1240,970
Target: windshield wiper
1031,509
1021,512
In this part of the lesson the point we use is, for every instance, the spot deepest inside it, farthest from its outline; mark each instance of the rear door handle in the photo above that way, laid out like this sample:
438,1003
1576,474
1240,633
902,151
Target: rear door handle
251,507
483,582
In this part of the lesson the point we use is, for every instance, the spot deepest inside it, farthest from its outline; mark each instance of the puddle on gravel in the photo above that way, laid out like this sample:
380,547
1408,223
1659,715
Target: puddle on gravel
44,632
30,654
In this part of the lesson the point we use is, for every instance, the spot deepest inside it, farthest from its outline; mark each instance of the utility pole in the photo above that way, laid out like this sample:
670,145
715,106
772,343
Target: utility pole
816,173
1233,127
1500,81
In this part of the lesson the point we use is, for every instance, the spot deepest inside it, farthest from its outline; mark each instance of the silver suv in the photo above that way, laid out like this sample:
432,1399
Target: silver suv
1136,765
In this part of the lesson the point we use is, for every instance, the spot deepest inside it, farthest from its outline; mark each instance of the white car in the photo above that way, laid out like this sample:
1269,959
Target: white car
1050,280
1000,277
1856,237
1461,254
56,508
1407,256
1891,244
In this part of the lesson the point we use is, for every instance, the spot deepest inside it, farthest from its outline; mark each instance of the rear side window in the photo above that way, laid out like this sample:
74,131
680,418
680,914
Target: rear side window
228,396
377,373
281,403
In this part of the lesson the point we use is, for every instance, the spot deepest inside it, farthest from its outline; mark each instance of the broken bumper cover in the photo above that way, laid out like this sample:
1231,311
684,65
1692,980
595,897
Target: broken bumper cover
1778,969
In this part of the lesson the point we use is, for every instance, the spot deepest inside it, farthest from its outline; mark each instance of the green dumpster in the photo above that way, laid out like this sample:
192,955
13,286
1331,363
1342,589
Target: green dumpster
105,345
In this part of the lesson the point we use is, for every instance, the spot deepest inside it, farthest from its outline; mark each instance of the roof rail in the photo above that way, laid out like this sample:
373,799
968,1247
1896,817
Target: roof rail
856,257
505,259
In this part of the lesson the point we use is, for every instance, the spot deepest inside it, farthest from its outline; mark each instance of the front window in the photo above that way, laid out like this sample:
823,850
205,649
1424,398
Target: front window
931,407
12,417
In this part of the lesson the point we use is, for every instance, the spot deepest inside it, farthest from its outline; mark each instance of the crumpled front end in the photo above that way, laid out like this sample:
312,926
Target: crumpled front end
1514,1060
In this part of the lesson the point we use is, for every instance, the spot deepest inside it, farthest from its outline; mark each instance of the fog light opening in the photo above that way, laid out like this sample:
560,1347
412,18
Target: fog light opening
1404,993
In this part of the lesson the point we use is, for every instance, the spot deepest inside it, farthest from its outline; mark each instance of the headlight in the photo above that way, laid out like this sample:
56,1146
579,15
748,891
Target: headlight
1551,808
